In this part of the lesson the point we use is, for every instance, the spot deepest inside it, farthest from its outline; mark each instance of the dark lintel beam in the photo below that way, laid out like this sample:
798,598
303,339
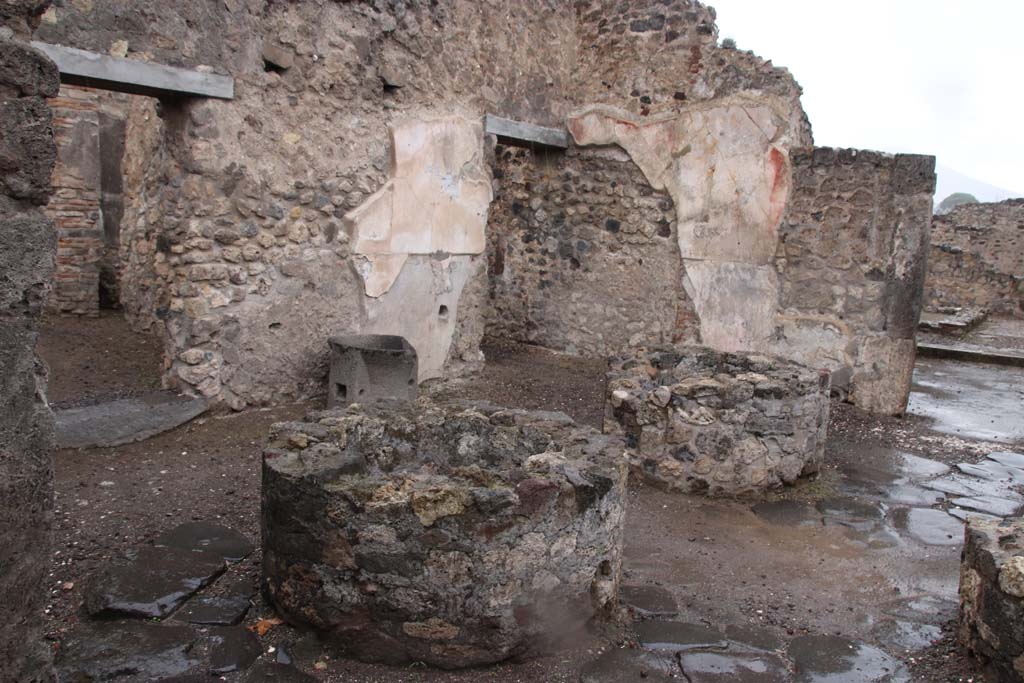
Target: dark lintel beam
525,134
81,67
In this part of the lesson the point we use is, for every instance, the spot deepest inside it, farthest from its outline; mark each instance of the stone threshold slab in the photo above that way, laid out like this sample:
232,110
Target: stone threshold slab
125,420
979,355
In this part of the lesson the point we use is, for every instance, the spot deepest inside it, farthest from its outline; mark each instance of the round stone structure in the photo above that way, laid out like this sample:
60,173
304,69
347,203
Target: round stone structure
451,533
703,421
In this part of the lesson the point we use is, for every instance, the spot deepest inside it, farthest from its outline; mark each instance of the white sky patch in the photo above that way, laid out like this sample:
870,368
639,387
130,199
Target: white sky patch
935,77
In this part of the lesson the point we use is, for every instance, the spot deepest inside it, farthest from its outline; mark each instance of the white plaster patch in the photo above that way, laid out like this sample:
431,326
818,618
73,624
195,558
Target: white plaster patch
736,303
422,305
436,200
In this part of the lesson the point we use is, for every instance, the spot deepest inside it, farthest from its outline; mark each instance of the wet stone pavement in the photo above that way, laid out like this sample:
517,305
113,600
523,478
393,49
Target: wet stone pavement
170,612
148,619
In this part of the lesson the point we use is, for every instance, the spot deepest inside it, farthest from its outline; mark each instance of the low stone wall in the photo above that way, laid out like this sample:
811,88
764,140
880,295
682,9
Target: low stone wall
992,595
977,258
719,423
454,534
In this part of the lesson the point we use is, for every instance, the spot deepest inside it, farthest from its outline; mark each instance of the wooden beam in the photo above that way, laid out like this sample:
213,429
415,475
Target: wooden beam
525,134
81,67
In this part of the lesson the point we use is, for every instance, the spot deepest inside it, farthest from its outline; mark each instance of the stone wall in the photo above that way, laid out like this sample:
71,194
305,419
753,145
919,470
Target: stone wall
582,255
255,194
991,620
292,212
977,258
27,250
851,264
75,203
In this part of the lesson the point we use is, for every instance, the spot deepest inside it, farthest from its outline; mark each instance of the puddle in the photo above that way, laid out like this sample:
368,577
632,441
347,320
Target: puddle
787,513
907,636
831,659
733,667
676,636
928,526
972,400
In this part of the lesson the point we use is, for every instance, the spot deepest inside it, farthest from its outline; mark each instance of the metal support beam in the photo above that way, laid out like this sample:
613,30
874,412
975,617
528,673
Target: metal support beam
81,67
525,134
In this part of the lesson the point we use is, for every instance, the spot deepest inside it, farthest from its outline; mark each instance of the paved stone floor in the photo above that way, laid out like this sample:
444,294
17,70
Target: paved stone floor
850,577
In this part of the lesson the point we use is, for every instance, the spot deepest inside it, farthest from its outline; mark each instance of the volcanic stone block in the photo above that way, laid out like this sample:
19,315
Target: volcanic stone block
992,595
371,367
702,421
456,534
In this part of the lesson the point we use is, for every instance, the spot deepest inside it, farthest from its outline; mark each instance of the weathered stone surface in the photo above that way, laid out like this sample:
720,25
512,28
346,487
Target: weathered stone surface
698,420
649,601
231,648
734,667
214,610
125,420
455,534
676,637
27,154
819,659
136,651
625,664
26,71
991,622
207,537
976,257
366,368
152,583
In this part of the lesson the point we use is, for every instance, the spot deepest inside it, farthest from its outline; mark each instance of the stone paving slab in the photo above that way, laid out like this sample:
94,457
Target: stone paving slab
831,659
125,420
207,537
152,583
627,664
734,667
139,651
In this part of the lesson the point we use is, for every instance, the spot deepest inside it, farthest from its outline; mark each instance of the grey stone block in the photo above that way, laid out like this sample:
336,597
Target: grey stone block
371,367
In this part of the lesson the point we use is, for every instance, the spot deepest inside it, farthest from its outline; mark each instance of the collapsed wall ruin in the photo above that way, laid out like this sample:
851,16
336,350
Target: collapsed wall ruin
317,202
976,258
350,179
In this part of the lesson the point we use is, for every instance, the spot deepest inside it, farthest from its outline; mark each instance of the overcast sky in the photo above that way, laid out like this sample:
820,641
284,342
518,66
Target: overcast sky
942,77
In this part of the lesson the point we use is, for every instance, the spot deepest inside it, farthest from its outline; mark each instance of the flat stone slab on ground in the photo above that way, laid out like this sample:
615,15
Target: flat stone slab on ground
214,610
208,537
831,659
677,636
929,526
619,665
994,471
154,582
232,648
649,601
125,420
991,505
733,667
136,651
1008,459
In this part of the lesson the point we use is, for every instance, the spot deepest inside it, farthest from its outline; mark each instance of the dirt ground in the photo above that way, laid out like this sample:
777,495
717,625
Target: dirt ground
723,563
98,358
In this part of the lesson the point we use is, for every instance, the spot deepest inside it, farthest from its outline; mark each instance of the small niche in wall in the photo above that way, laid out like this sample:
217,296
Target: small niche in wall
442,312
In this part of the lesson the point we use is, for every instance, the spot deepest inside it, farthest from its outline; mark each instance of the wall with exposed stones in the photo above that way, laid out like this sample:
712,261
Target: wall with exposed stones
315,202
75,203
27,251
992,596
977,258
254,266
851,261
